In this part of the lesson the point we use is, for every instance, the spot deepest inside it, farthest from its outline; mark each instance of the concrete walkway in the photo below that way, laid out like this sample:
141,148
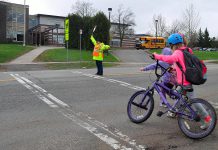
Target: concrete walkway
29,57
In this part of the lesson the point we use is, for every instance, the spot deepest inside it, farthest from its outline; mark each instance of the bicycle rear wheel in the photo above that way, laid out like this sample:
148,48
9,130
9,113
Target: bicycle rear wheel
199,124
140,106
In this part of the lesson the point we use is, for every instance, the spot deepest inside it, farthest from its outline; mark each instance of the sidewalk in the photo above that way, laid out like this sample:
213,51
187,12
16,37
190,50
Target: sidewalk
29,57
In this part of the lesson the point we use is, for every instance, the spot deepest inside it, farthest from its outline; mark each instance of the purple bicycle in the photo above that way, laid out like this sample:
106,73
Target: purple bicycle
191,113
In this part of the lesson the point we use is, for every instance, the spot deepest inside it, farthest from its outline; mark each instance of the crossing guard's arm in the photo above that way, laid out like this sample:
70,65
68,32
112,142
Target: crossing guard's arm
93,40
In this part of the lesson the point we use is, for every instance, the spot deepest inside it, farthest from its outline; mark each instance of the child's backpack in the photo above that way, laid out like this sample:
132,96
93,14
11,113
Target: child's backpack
195,69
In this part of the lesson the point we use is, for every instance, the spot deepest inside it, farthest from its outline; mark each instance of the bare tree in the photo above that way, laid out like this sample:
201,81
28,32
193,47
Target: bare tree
175,27
190,22
83,8
125,21
161,24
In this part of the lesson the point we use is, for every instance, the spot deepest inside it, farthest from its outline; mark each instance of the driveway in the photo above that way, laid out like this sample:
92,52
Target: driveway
132,56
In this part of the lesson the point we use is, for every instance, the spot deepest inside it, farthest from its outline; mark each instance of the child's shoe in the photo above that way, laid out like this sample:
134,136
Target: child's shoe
171,114
163,105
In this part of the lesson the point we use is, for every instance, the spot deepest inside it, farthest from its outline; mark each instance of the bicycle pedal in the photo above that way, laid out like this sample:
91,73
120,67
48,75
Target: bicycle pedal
160,113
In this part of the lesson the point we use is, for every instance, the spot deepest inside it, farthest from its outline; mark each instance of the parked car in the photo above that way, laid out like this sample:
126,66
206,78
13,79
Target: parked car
196,48
138,45
212,49
209,49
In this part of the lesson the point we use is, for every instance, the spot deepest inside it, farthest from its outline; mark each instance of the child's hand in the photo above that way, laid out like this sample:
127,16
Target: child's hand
142,69
152,56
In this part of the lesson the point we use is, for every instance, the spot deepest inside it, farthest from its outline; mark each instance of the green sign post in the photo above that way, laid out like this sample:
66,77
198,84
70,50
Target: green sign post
66,26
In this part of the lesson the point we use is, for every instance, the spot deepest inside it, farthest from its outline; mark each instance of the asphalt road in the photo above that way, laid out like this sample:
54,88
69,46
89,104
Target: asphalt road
132,55
76,110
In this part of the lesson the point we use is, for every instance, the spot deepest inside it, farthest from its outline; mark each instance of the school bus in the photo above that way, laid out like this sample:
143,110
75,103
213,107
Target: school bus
149,42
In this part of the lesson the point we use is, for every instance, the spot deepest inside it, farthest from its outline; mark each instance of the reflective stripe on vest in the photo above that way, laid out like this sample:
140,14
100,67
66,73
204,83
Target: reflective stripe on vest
95,53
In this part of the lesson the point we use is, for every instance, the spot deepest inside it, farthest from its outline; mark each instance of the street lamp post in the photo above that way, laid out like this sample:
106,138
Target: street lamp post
109,10
24,28
156,21
80,43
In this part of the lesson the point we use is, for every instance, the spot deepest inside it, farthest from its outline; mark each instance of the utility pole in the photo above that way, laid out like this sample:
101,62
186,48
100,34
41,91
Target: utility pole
24,28
156,21
80,47
109,10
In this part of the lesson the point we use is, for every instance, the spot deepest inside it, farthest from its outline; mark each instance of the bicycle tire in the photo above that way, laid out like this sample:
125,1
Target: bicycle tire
146,111
192,132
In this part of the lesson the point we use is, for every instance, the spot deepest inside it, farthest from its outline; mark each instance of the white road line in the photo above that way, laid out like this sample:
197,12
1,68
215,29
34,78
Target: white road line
44,91
57,100
128,85
122,83
213,103
104,137
114,132
44,99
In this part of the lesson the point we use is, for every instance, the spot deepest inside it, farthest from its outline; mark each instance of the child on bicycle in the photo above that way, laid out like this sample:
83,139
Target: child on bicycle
168,78
177,45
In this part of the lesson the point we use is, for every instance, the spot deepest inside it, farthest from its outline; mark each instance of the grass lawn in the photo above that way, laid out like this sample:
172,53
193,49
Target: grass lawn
60,55
202,55
9,52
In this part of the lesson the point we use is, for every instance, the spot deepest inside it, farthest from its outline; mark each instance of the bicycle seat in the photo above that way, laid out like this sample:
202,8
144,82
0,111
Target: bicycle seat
188,88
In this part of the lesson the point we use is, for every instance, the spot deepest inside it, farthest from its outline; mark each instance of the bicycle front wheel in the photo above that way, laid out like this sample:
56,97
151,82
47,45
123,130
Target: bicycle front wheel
199,120
140,106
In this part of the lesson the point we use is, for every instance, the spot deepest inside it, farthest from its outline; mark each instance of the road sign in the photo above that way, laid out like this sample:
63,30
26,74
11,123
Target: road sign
67,30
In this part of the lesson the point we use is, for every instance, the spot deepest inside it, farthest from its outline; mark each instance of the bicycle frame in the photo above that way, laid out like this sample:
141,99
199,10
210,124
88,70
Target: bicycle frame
157,85
196,117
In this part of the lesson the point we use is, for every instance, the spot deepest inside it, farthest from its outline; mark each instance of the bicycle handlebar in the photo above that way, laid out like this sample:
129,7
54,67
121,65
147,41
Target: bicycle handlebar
151,55
165,69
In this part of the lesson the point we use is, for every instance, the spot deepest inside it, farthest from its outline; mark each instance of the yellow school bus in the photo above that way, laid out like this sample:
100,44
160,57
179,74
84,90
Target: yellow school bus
150,42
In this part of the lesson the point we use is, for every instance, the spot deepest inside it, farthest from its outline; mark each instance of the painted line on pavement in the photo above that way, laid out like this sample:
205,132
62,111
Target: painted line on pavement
36,92
213,103
125,84
114,131
115,144
122,83
44,91
216,107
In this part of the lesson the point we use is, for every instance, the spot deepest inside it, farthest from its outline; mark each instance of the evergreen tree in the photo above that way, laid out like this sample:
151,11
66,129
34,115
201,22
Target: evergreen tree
75,24
200,38
103,27
207,41
87,24
87,27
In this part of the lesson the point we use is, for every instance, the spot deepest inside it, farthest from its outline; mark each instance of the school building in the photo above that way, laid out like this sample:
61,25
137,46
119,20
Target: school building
12,22
42,29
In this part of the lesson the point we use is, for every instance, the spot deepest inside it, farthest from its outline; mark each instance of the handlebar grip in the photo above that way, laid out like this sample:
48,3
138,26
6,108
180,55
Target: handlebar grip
152,56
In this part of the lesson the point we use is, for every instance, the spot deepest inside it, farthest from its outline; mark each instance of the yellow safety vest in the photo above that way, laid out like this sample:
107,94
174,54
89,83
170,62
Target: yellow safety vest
98,49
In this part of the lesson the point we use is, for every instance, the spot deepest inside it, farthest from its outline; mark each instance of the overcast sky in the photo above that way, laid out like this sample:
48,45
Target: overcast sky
142,9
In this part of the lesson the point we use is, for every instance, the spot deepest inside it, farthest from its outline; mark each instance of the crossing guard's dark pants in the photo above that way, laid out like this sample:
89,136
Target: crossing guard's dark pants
99,67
